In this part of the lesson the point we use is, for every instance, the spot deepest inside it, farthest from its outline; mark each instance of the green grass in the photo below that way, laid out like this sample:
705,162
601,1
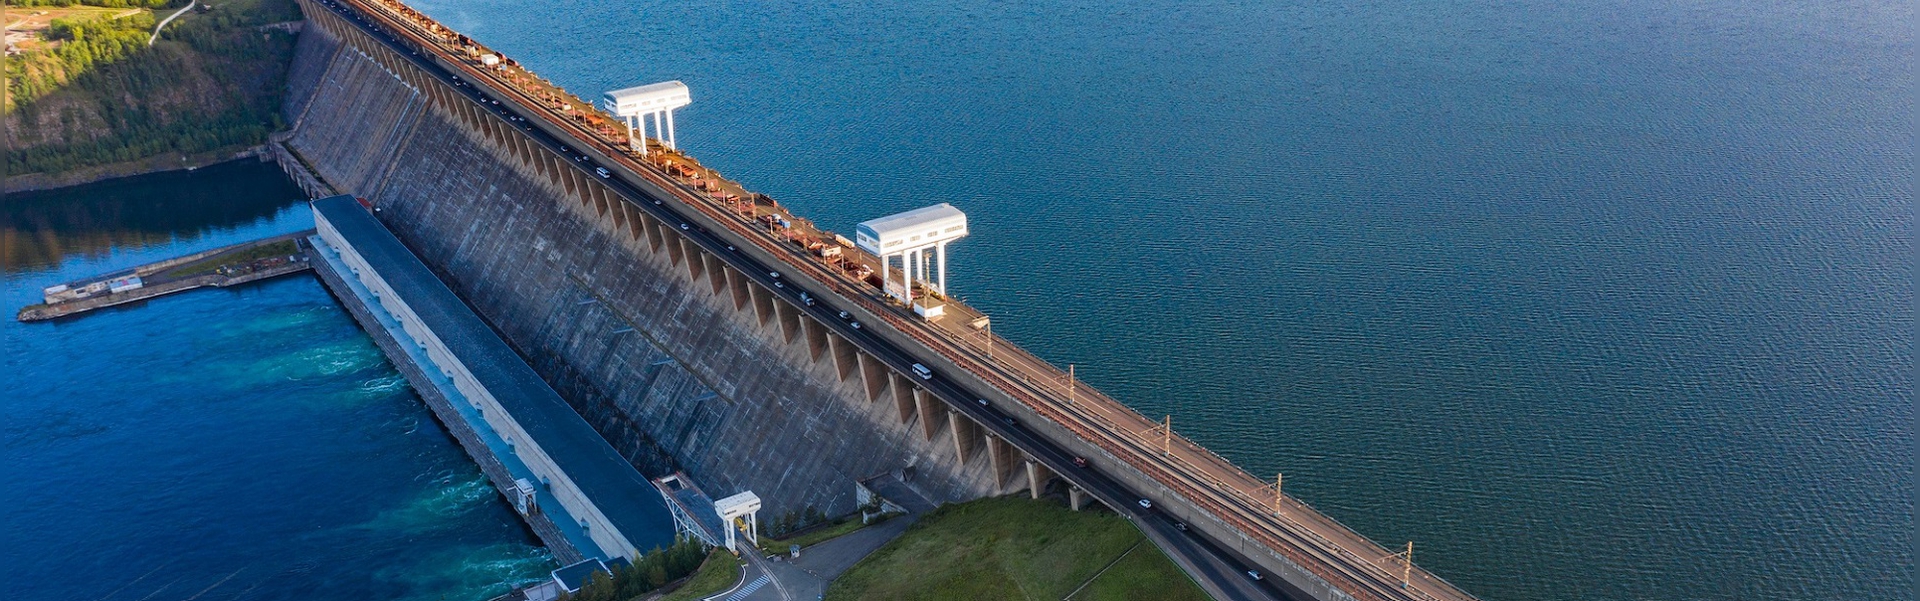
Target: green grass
719,571
1144,574
210,264
816,536
1014,548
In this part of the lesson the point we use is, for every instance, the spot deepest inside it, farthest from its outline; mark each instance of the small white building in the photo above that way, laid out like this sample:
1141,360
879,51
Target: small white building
909,235
656,100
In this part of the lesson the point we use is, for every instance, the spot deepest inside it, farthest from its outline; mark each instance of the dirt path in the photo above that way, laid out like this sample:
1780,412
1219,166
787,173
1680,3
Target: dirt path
163,24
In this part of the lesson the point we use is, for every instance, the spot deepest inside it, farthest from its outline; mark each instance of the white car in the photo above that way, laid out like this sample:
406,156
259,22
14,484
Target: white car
1145,504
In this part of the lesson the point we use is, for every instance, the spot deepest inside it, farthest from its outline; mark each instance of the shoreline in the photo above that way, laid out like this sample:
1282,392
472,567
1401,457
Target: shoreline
39,182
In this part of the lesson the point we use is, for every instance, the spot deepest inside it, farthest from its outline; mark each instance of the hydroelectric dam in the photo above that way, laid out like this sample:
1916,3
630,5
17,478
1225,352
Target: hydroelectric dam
699,327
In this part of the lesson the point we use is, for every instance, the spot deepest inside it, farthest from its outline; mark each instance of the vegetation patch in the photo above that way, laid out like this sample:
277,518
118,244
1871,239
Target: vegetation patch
649,572
88,90
239,257
718,573
1015,548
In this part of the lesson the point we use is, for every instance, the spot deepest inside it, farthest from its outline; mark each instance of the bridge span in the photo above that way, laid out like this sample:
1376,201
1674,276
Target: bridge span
1214,519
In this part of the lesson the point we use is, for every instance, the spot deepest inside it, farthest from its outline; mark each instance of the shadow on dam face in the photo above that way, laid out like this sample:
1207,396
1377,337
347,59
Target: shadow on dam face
675,362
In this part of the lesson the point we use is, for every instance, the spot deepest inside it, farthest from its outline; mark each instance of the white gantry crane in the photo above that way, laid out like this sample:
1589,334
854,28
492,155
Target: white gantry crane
654,100
740,512
910,236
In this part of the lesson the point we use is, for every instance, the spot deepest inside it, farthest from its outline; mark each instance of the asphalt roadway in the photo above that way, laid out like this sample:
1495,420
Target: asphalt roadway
1217,570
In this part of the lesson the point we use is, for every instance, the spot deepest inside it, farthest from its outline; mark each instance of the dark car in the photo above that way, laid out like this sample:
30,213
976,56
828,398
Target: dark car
1080,462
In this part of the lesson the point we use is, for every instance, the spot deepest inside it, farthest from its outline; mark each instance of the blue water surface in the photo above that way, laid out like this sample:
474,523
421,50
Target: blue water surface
1591,299
249,443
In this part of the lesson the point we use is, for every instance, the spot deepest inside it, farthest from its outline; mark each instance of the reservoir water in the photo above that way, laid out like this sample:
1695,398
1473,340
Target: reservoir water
220,444
1591,299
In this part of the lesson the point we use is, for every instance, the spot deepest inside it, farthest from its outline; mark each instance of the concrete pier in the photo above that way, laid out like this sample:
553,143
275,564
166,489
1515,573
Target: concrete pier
218,268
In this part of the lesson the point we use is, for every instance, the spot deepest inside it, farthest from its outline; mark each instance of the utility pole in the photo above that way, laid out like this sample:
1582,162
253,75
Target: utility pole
1166,437
1070,399
1277,479
1406,571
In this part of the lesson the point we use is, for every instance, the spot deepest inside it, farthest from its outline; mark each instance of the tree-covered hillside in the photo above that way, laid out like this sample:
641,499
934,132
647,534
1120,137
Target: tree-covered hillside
86,89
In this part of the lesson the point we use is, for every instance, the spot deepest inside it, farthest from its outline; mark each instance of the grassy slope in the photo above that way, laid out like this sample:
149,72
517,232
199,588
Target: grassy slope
716,574
1014,548
213,83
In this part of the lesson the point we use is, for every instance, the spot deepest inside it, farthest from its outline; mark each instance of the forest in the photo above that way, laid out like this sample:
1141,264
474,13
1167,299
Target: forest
96,93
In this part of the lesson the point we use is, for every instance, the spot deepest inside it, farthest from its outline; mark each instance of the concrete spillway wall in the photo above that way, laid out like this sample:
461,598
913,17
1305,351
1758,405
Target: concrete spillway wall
673,358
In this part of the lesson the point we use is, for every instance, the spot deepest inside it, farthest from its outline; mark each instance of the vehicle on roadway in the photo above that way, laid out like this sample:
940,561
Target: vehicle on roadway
773,274
983,403
807,299
846,315
779,284
1181,526
1146,504
602,172
922,371
1080,462
856,325
685,227
1255,574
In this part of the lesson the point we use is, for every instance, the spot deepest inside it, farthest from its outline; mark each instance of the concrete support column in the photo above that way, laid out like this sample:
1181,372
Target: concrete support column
816,337
929,409
672,141
873,376
963,434
902,395
1037,477
1076,498
1001,455
940,254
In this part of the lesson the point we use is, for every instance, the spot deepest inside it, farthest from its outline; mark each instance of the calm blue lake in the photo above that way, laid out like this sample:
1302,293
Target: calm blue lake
220,444
1589,299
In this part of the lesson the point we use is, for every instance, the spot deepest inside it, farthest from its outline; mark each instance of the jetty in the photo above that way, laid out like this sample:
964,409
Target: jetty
219,268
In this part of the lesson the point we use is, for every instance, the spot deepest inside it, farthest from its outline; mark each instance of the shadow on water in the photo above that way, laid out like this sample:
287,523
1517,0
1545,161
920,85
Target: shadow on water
40,228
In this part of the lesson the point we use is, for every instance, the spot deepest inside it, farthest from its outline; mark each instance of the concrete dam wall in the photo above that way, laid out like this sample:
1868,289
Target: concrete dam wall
675,362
